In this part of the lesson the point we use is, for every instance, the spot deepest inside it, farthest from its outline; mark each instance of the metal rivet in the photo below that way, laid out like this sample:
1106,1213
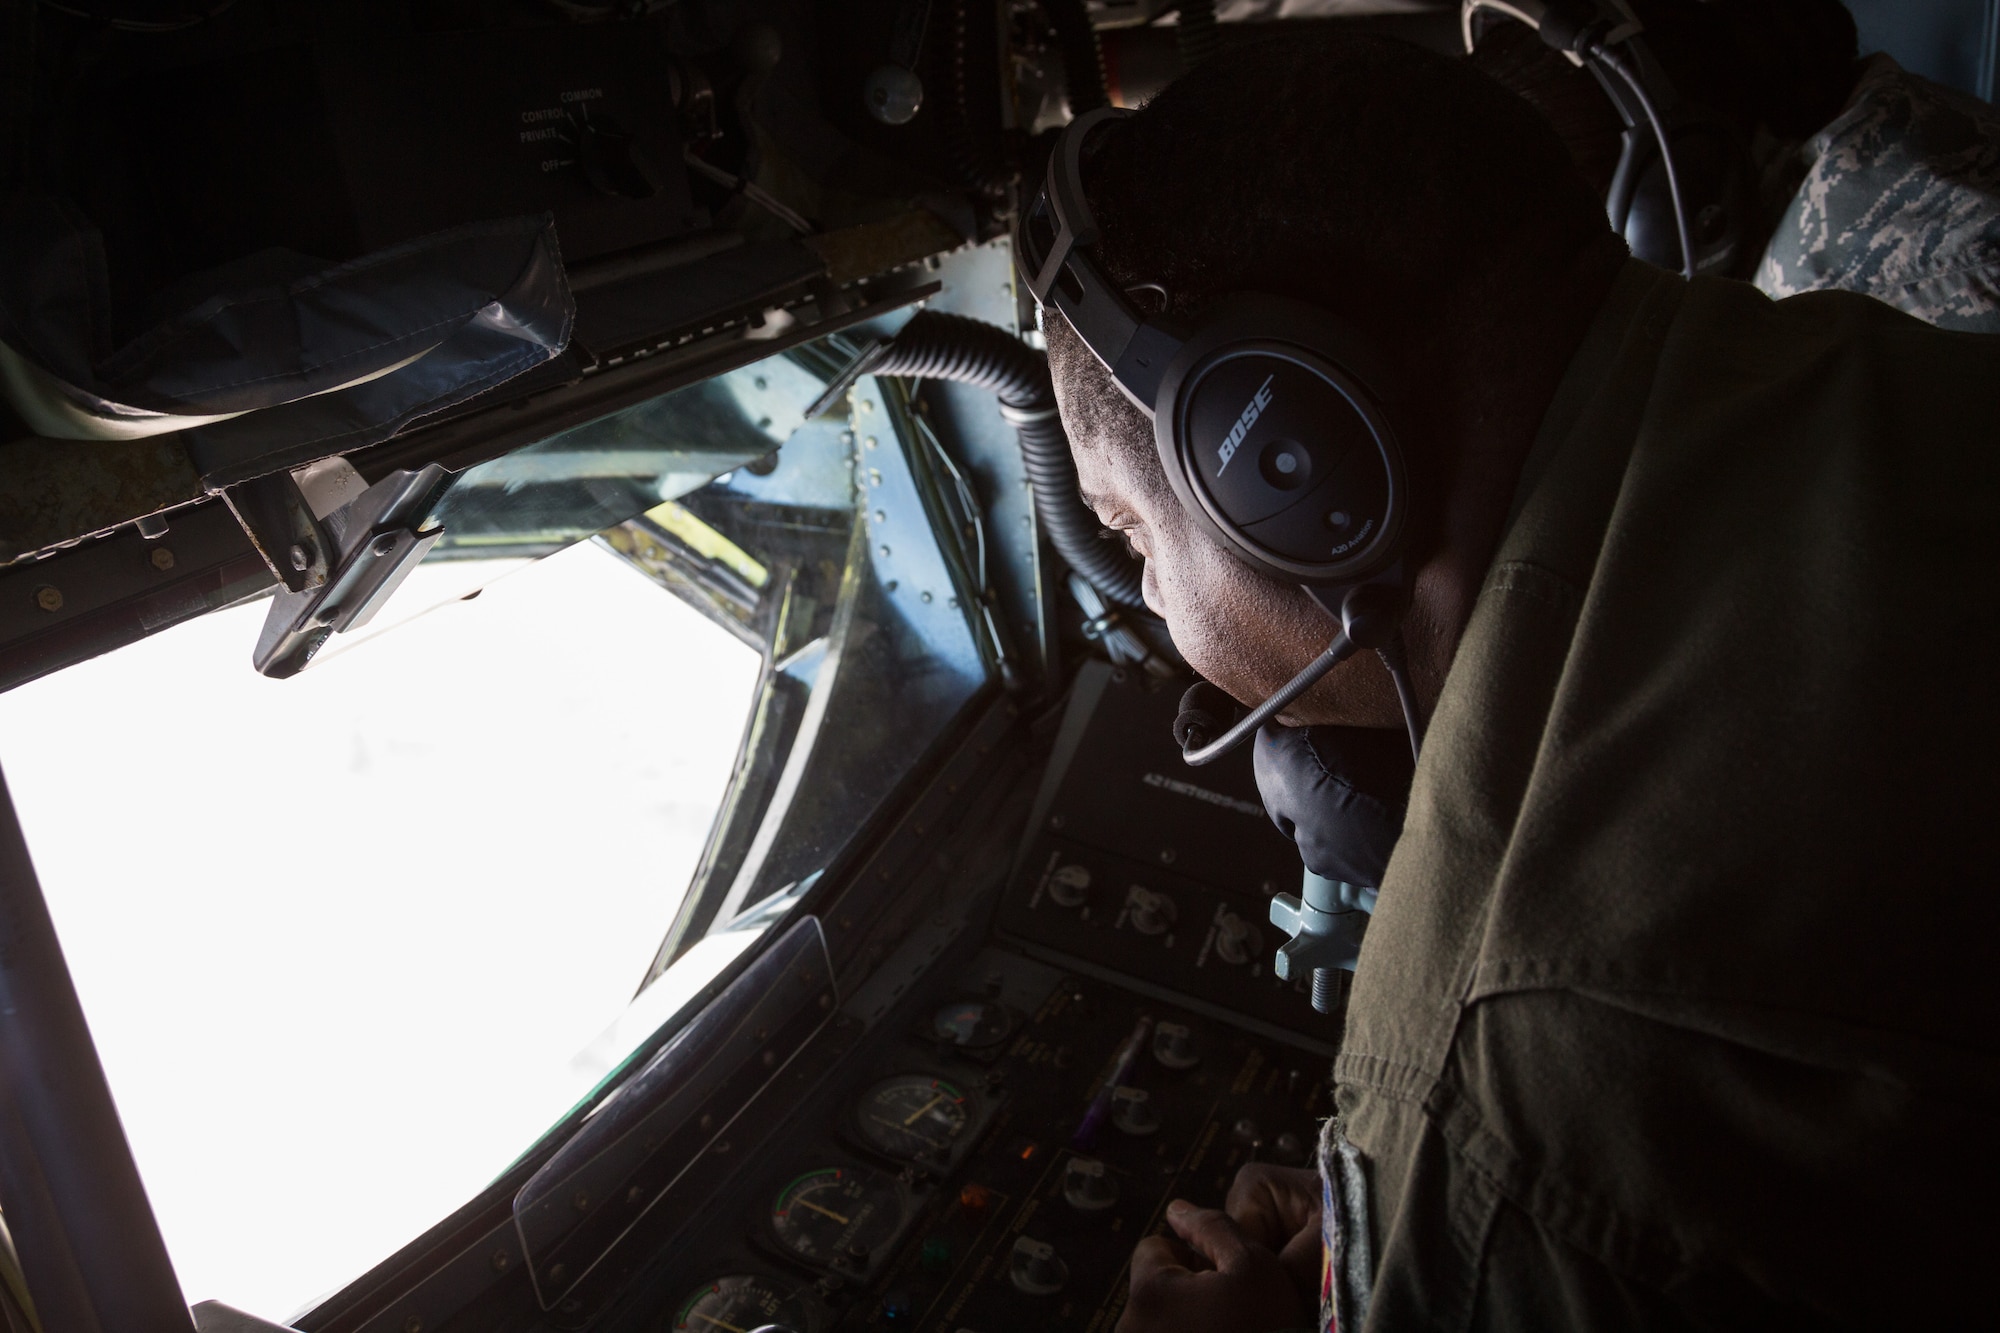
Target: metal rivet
385,543
413,1324
770,1058
763,423
1056,821
867,404
580,1201
162,558
890,586
953,603
927,596
847,437
868,443
48,598
881,516
1166,856
634,1195
761,382
300,557
707,1121
500,1261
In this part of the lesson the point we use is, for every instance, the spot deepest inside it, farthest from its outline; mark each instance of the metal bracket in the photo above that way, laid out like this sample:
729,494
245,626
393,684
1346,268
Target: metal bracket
280,524
377,538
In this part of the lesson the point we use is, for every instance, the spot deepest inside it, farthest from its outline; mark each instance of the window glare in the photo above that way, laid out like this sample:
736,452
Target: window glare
342,939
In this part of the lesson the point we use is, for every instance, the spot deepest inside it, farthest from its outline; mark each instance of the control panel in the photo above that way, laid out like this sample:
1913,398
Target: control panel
995,1153
1139,866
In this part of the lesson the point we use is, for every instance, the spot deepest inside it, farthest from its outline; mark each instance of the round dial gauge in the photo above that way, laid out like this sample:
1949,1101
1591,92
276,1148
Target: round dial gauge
838,1213
742,1302
913,1116
972,1023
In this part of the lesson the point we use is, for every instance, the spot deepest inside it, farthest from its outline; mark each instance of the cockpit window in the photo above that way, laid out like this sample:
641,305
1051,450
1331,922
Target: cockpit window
351,942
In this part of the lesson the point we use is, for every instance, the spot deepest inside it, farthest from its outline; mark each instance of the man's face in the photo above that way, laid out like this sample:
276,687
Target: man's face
1246,633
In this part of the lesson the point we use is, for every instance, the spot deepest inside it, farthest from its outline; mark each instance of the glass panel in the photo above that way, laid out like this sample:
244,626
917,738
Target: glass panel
875,647
626,1159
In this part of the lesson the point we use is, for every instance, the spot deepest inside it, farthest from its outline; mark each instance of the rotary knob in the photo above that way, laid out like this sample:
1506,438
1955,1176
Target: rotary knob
1236,940
1035,1267
1069,886
1088,1186
1152,912
1173,1046
1133,1111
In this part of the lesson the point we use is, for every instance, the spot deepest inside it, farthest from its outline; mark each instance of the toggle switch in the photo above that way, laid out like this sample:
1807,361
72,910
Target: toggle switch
1088,1186
1133,1111
1237,941
1173,1046
1069,886
1152,912
1035,1268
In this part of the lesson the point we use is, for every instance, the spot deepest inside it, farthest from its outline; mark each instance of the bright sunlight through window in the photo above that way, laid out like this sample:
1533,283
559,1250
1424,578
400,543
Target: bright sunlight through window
345,941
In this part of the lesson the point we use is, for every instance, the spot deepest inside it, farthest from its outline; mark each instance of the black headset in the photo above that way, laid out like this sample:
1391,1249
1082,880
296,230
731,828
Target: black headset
1685,190
1269,416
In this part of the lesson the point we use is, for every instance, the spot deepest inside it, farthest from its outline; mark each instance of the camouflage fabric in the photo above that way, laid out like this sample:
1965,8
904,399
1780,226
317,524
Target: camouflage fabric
1901,201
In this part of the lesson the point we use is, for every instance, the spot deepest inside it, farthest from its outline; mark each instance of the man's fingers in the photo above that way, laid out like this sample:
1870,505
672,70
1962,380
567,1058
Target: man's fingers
1156,1257
1272,1202
1302,1258
1212,1233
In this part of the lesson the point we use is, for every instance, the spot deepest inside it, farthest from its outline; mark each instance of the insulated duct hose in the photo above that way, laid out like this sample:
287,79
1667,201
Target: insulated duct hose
969,351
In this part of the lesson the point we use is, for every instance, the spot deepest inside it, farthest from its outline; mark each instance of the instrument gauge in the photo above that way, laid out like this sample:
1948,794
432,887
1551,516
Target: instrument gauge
741,1302
838,1215
972,1024
913,1117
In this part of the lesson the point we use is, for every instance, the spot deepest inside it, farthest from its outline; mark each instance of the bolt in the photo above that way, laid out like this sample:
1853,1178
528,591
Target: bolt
1323,989
48,598
300,556
162,558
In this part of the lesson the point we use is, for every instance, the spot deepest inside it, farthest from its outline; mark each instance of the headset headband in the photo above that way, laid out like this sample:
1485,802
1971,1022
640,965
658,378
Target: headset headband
1057,234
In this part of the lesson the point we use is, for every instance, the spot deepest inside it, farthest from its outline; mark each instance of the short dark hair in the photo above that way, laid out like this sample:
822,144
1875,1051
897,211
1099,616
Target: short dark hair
1383,182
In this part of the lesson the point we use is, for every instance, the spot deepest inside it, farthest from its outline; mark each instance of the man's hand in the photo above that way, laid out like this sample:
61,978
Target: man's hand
1278,1207
1212,1279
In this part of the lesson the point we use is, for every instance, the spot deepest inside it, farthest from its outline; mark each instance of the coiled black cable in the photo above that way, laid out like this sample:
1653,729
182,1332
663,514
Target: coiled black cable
934,345
1197,37
1083,56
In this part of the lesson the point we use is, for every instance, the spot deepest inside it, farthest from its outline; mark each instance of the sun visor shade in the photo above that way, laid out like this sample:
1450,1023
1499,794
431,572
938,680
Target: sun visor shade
275,359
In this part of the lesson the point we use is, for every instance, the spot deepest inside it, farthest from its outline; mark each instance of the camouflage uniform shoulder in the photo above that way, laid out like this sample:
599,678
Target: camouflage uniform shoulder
1901,201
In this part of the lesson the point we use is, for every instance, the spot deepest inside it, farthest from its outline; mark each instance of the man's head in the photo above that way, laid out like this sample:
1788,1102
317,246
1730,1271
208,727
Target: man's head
1406,194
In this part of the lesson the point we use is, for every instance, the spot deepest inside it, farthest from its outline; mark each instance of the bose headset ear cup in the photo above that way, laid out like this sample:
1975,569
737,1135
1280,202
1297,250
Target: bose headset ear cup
1271,430
1717,187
